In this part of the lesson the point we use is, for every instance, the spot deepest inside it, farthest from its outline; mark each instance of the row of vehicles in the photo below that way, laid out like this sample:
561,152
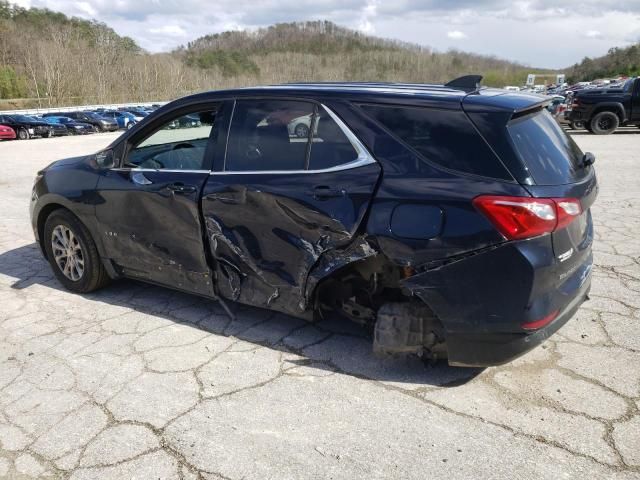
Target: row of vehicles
56,124
600,110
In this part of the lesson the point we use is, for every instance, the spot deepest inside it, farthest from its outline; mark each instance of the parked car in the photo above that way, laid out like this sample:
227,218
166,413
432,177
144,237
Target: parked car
603,110
73,127
452,220
100,123
123,119
57,129
7,133
188,121
556,101
300,126
26,127
138,115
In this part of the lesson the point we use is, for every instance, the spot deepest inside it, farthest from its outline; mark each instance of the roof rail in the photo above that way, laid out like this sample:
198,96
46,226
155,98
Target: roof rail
468,83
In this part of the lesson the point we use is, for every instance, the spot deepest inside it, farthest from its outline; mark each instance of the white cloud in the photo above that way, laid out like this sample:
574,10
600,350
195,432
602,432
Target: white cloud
593,34
456,35
172,30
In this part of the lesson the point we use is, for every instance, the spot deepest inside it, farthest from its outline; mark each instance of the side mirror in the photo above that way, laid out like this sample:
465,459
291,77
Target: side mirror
105,159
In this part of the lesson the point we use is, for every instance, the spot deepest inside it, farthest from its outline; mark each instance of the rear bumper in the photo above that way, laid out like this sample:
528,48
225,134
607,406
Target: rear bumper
484,299
482,350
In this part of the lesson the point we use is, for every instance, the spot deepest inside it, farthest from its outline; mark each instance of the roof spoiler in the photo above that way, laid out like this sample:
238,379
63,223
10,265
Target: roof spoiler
468,83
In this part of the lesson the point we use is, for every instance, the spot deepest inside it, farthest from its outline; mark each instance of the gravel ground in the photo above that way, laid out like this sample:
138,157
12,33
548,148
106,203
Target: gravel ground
141,382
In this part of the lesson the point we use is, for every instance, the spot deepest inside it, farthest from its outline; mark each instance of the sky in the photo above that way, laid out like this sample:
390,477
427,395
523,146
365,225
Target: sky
539,33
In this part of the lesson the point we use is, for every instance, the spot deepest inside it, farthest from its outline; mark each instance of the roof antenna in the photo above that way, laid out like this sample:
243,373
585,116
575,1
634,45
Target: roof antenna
468,83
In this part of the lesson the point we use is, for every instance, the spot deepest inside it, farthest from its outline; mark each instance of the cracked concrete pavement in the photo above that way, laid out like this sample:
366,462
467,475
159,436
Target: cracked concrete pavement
137,381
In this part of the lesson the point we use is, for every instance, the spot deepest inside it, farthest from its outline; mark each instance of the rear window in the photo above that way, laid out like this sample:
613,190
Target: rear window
444,137
551,156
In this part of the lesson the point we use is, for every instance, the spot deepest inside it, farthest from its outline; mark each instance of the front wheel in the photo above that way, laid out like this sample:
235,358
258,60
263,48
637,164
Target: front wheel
604,123
23,134
72,253
577,125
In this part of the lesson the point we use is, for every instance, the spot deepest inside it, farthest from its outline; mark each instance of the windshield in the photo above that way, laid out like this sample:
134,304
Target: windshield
551,156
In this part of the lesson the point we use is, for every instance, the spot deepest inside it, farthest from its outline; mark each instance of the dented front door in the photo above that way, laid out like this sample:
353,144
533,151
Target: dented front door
151,226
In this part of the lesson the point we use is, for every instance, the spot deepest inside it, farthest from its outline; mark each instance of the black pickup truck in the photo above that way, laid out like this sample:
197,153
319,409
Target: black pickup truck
603,110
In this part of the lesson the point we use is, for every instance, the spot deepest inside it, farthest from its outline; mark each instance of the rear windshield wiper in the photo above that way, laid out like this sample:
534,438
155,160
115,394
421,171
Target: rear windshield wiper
587,159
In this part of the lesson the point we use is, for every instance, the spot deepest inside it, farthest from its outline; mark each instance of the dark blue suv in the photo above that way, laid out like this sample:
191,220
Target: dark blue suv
453,221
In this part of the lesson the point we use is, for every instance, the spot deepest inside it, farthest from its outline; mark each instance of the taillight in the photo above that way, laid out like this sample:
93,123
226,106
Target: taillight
543,322
568,210
525,217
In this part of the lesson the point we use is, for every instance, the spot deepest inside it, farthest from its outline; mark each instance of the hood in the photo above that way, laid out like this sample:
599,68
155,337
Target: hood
66,162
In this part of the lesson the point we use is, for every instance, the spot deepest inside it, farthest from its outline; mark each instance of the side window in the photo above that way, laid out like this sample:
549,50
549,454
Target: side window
269,135
179,144
330,146
444,137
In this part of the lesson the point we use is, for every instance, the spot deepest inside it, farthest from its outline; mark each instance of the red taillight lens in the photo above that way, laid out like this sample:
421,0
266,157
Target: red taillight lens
525,217
536,324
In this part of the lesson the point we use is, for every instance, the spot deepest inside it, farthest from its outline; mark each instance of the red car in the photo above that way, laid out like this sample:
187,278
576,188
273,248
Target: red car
7,133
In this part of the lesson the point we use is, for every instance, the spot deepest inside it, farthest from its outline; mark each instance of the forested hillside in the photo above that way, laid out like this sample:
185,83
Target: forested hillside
49,59
310,51
618,61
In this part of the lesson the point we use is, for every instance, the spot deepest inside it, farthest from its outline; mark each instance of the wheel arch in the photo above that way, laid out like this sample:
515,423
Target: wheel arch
616,108
43,214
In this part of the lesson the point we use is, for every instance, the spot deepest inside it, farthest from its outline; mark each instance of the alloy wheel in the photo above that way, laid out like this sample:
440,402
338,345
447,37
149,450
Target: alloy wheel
67,252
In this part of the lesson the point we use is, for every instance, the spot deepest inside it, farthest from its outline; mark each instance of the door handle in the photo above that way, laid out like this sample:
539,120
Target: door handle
181,188
325,191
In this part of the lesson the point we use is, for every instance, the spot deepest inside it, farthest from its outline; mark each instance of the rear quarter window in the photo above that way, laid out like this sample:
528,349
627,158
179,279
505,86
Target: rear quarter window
550,155
443,137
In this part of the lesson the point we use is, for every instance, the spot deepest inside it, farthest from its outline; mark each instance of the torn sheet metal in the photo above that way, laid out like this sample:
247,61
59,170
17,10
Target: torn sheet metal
268,233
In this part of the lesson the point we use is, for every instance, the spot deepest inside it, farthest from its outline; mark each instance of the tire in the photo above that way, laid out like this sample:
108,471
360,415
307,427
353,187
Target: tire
84,277
23,134
408,328
130,125
301,130
96,129
47,135
604,123
577,125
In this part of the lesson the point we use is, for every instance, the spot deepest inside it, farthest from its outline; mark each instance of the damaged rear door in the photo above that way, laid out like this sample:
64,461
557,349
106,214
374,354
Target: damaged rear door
294,183
149,210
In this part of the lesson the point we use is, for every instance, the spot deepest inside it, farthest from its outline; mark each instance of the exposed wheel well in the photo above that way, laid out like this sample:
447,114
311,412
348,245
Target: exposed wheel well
370,292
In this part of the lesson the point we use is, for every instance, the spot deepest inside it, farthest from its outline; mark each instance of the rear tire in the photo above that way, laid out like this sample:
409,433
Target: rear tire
408,328
604,123
72,253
